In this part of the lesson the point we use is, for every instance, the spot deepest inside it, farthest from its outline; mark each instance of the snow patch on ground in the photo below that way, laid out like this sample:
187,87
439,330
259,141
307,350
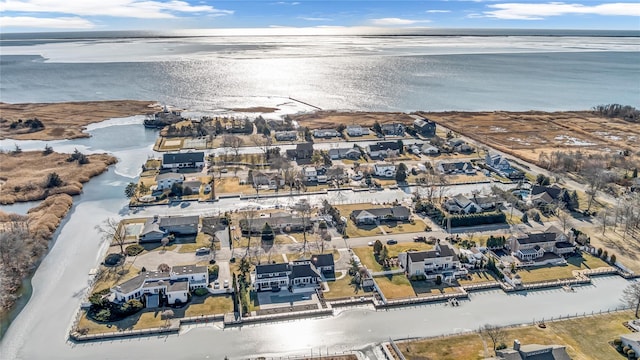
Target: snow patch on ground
572,141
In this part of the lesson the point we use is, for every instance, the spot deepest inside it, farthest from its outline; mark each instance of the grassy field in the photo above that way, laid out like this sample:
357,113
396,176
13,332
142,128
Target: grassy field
112,276
585,338
404,228
395,286
232,186
367,257
142,320
202,240
354,231
477,277
558,272
208,305
343,288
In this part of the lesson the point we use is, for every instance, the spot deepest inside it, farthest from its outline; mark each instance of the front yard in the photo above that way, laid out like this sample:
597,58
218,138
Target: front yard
368,259
397,286
343,288
477,277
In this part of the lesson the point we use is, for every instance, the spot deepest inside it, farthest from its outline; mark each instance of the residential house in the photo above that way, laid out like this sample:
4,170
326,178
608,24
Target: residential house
460,204
632,341
183,160
384,149
280,221
193,186
431,150
453,168
324,263
554,191
415,149
286,135
157,228
271,180
534,245
460,145
395,129
302,152
533,352
377,215
325,133
487,203
441,261
384,170
356,130
424,127
499,164
166,180
172,286
353,153
310,174
297,276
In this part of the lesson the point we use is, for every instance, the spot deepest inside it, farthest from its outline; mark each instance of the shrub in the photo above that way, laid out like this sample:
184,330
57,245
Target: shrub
612,259
631,354
200,292
213,271
103,315
477,219
438,280
625,349
417,278
112,259
501,346
53,180
96,297
130,307
133,250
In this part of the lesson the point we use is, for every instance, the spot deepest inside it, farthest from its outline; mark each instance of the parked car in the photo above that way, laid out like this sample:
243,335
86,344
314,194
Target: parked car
370,243
226,284
216,285
203,251
391,242
420,238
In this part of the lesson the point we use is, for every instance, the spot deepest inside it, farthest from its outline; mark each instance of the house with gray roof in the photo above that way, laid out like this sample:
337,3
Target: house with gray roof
286,135
357,130
383,149
534,245
533,352
395,129
458,167
377,215
325,133
158,227
424,127
166,180
441,261
460,204
353,153
183,160
299,276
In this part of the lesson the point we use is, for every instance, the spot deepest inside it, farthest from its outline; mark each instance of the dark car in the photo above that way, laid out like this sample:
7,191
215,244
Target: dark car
392,242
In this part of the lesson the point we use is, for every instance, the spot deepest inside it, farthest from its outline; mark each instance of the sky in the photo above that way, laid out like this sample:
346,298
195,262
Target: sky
81,15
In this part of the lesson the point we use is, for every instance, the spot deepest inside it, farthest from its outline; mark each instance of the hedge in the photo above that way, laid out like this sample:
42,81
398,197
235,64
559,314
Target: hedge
133,250
477,219
200,291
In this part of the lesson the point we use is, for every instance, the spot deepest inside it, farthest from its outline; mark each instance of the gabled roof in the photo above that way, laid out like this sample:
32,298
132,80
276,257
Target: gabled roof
304,147
271,268
444,251
535,238
553,191
179,220
462,200
299,270
188,157
384,145
453,166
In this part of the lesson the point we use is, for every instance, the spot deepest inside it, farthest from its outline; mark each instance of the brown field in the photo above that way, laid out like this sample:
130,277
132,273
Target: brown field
66,120
330,119
256,109
24,175
586,339
527,134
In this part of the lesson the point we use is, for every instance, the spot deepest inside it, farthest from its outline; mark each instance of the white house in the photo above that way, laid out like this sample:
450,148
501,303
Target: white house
460,204
384,170
534,245
173,285
297,276
166,181
310,173
325,133
431,150
441,261
496,161
356,130
632,341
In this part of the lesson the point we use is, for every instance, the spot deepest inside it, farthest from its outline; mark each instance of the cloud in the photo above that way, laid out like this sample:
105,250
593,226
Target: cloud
316,19
286,3
437,11
46,23
524,11
140,9
395,21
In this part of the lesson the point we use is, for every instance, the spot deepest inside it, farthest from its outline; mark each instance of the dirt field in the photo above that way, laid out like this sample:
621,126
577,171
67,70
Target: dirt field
24,175
331,119
66,120
527,134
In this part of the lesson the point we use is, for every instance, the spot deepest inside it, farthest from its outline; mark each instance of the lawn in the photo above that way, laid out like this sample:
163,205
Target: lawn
209,305
586,339
477,277
395,286
343,288
558,272
142,320
354,231
110,276
367,258
231,185
202,240
405,228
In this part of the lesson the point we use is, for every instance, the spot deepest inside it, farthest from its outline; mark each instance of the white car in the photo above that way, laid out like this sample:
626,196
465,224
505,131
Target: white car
226,284
370,243
216,285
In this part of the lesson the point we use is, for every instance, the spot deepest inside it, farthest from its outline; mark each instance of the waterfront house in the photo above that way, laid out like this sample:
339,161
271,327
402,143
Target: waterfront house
384,170
353,153
384,149
500,165
325,133
356,130
533,352
298,276
173,286
632,341
183,160
324,263
286,135
157,227
534,245
166,180
377,215
424,127
395,129
441,261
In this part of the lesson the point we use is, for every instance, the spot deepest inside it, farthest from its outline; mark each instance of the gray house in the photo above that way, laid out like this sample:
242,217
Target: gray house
156,228
376,215
353,153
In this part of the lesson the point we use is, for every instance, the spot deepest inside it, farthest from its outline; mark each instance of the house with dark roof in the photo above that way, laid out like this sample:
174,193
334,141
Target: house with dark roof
533,352
424,127
441,261
296,277
383,149
453,168
302,152
286,135
377,215
460,204
158,227
553,193
324,263
172,286
280,221
534,245
183,160
270,179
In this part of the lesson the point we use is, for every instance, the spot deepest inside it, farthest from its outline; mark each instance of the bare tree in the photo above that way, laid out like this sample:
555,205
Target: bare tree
248,216
594,177
263,143
305,210
564,217
167,315
631,296
495,333
233,142
112,231
164,268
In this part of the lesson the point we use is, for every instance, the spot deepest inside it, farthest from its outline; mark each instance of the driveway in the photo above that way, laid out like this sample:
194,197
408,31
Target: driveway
152,259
